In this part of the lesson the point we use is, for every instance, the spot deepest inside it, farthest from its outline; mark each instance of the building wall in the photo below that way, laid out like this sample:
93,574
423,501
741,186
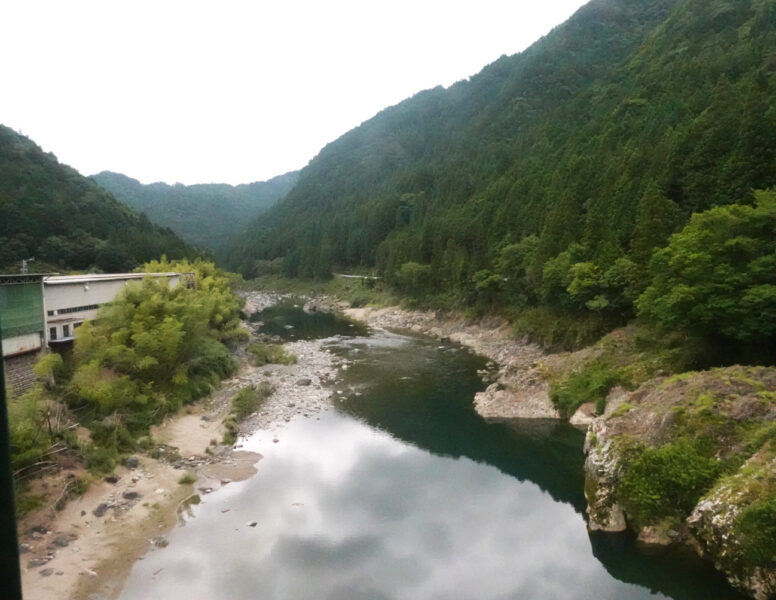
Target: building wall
71,300
21,313
70,295
19,373
21,343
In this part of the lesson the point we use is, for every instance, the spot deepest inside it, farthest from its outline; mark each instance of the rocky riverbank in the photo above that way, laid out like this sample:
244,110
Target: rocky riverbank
691,460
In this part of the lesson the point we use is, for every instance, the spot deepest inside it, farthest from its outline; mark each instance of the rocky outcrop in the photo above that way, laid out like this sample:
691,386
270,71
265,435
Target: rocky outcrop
584,415
725,419
714,522
504,400
601,476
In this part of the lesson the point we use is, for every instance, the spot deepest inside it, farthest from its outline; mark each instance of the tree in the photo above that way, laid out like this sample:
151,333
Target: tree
413,277
717,277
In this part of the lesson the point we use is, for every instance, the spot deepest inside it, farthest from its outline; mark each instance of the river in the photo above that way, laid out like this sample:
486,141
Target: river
402,491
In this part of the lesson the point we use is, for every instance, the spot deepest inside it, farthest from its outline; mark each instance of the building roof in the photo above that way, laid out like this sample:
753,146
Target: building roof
89,278
9,278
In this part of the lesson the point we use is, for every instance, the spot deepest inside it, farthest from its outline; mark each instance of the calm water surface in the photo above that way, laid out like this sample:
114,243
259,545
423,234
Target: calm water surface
401,491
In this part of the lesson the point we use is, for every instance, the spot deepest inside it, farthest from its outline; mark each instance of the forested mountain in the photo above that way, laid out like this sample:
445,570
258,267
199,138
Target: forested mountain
52,213
206,215
548,179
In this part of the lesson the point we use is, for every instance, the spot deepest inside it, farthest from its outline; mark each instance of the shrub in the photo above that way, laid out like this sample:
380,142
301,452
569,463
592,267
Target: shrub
50,368
249,399
100,460
152,350
187,479
265,354
717,277
666,481
29,437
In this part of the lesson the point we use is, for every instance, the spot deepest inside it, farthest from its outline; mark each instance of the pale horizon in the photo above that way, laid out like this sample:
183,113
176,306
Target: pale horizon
183,92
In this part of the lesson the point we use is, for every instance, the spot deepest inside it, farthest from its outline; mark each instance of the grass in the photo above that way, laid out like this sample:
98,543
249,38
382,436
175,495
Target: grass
667,481
621,410
263,353
26,502
592,384
187,479
247,401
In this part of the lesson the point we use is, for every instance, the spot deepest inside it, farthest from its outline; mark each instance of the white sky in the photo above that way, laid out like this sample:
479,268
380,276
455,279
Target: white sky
235,91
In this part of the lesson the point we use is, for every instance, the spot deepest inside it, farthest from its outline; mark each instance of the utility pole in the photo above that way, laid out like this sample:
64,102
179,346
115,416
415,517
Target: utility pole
9,543
25,261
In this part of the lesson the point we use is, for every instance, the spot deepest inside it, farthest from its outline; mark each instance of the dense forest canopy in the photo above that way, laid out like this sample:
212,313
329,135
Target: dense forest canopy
206,215
50,212
547,180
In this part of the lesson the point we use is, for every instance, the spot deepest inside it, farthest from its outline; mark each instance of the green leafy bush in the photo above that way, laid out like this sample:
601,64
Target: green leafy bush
667,481
50,368
100,459
30,439
151,350
717,277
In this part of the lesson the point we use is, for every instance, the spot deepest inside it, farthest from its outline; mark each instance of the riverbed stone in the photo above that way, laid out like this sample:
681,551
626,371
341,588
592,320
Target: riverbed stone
62,540
38,561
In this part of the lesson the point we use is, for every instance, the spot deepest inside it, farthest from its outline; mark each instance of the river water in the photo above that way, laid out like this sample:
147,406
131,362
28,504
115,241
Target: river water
401,491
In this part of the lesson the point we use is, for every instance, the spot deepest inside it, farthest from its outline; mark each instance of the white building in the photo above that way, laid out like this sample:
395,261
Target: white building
39,310
69,300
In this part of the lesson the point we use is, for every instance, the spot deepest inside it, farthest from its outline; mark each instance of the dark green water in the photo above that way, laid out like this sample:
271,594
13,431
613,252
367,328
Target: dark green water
402,491
288,321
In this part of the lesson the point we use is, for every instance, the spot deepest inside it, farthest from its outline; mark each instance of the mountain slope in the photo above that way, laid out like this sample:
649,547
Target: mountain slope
52,213
205,215
590,148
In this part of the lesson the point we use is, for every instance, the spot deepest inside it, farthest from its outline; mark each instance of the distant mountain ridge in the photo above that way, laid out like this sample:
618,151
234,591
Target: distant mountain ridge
50,212
569,162
206,215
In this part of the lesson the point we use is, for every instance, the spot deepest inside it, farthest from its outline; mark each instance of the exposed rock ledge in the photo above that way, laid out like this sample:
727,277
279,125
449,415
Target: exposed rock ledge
520,389
733,409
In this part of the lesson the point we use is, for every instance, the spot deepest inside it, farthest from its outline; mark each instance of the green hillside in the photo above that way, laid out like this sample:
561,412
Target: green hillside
205,215
52,213
546,181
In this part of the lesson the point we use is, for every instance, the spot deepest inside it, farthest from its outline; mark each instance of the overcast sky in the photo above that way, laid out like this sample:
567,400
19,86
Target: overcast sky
235,91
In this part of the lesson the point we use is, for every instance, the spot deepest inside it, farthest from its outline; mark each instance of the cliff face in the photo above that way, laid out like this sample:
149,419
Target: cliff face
692,459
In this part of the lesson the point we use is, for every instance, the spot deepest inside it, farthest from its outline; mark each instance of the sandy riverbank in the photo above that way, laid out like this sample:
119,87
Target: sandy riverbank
86,550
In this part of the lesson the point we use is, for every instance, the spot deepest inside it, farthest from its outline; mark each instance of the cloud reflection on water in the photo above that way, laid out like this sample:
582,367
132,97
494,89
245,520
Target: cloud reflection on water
345,511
